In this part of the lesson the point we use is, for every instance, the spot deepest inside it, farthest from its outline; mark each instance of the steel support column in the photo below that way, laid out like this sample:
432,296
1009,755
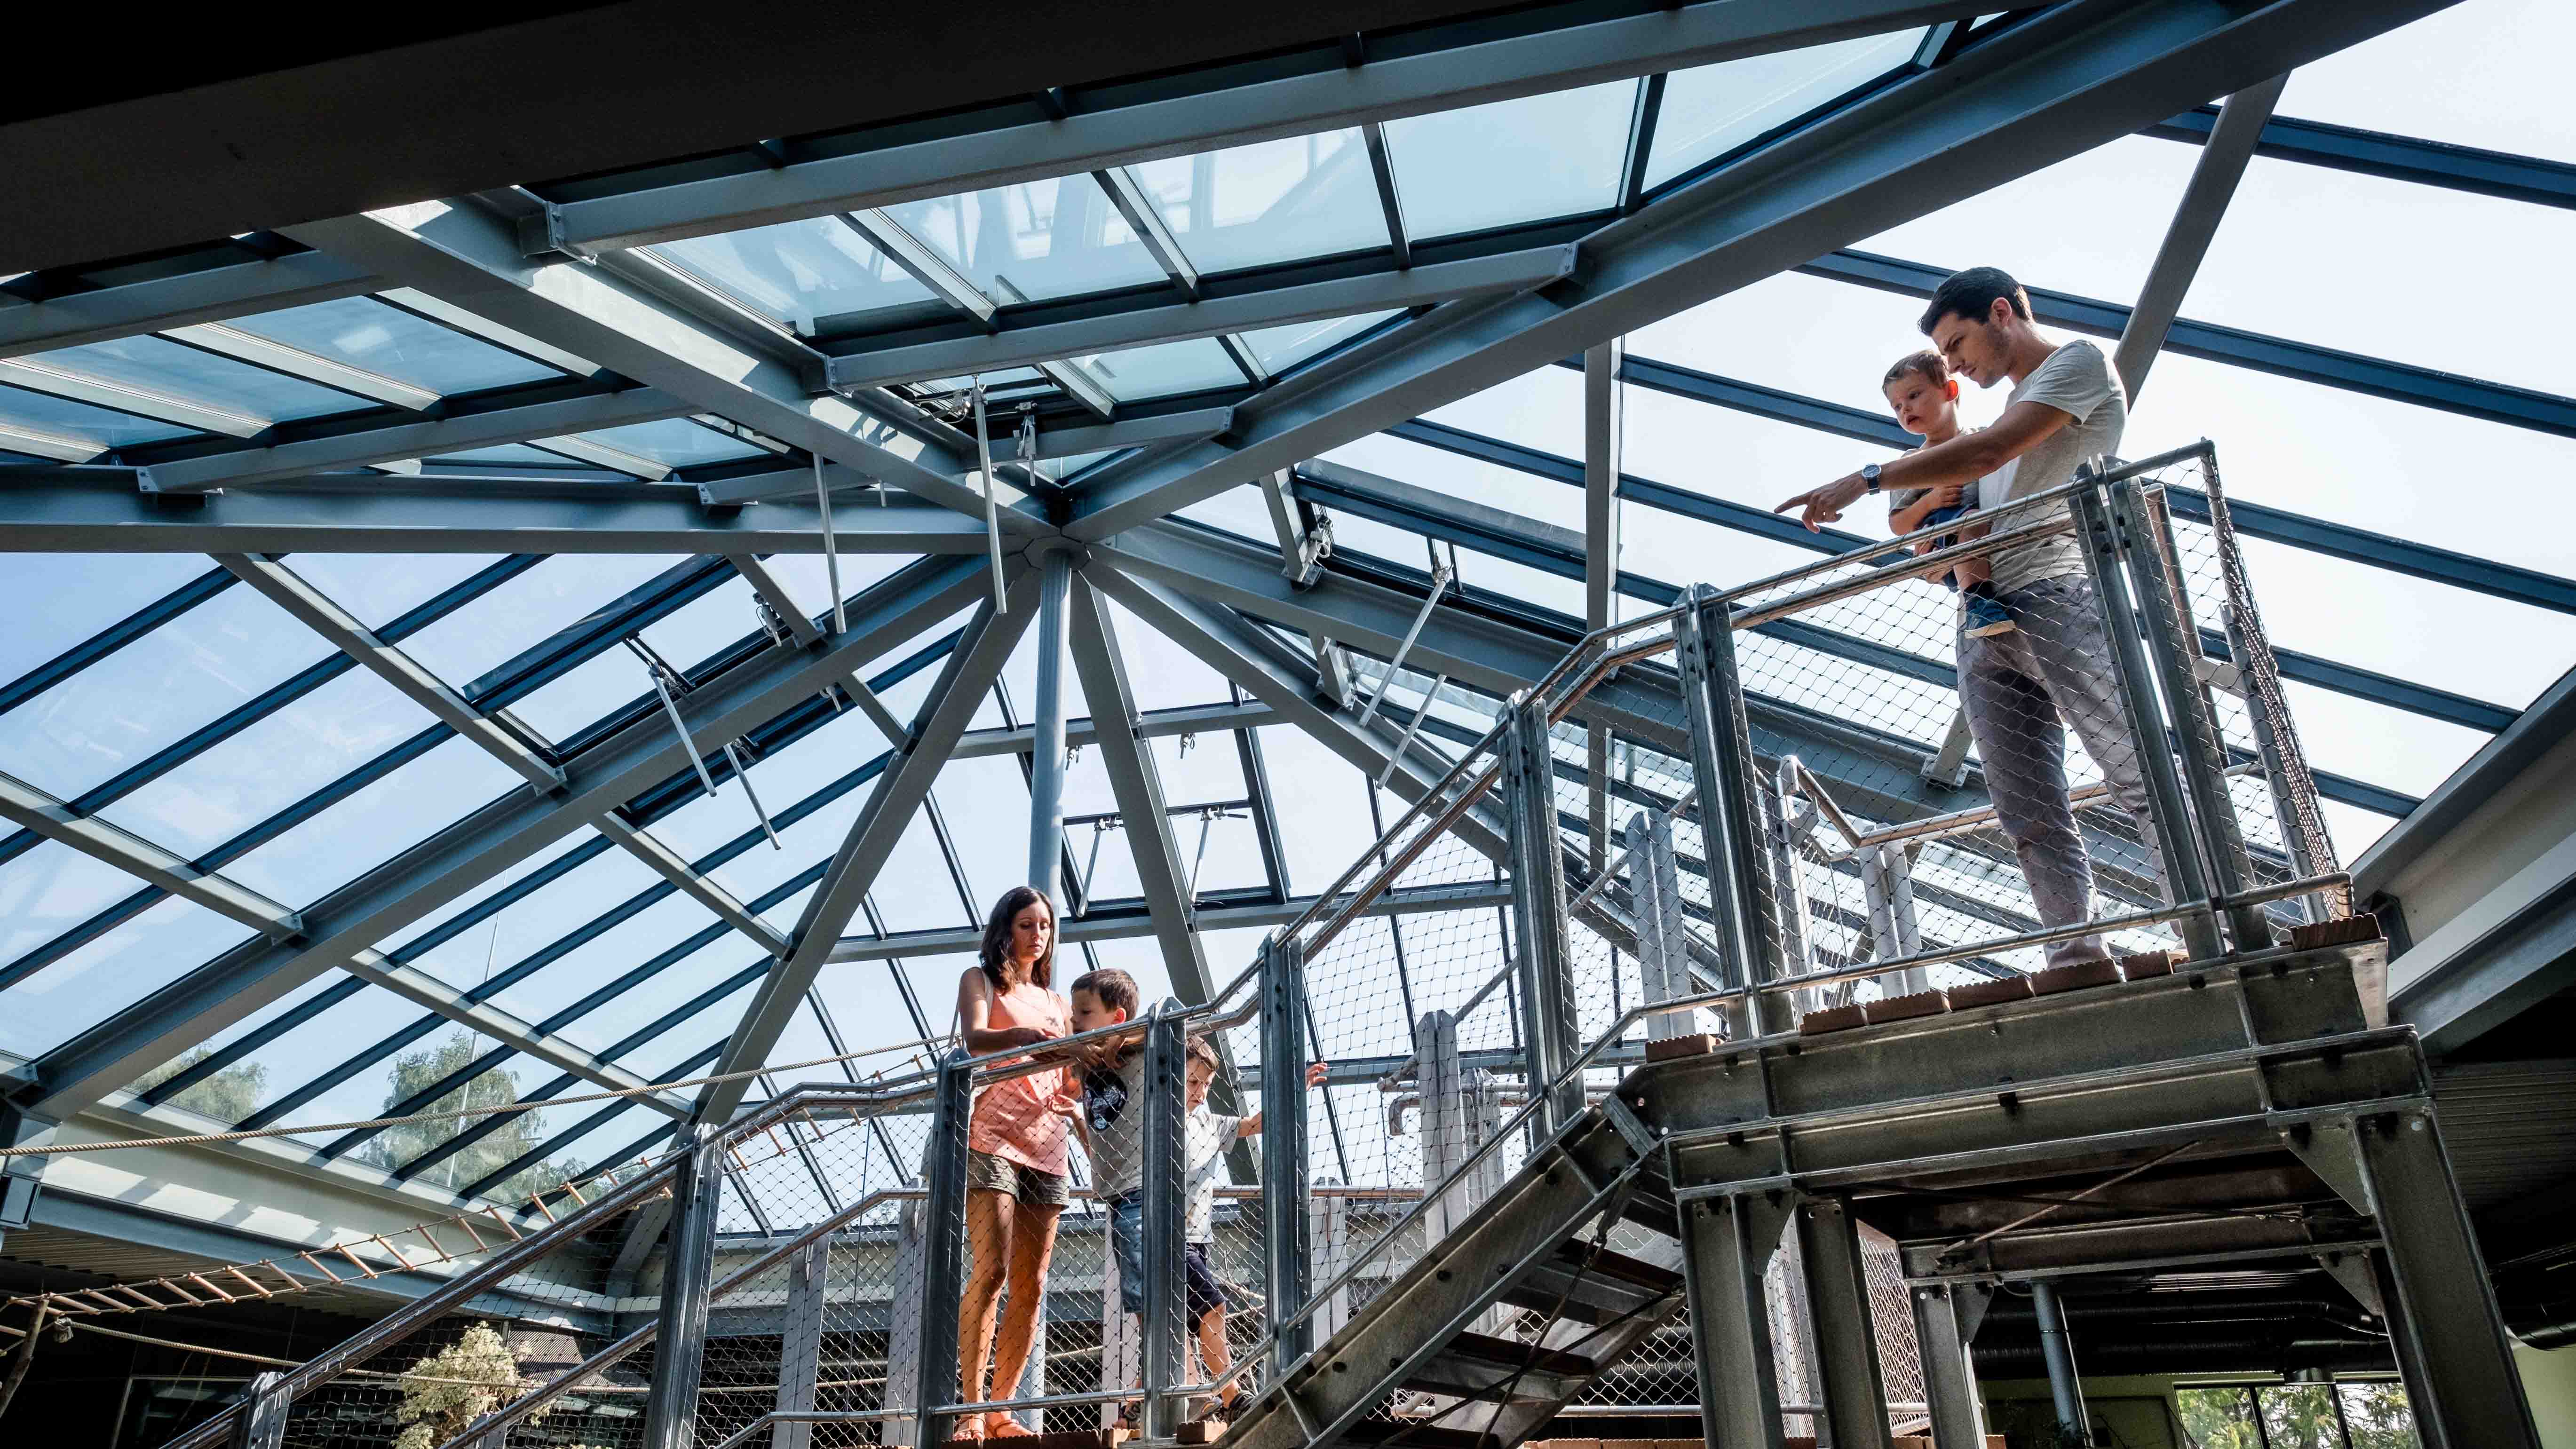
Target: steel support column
2065,1390
1603,432
1046,757
2442,1317
943,1257
1730,807
1945,1323
800,1342
1855,1394
1663,957
2195,222
1726,1244
2168,828
1286,1239
1165,1179
1551,1029
680,1342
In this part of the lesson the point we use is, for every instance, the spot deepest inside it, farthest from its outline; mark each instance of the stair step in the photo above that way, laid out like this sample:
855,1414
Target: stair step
1402,1434
1612,1285
1473,1364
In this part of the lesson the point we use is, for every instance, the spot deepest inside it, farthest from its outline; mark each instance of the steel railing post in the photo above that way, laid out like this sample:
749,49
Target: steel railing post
679,1354
2173,641
262,1424
1285,1243
1732,829
943,1255
2185,882
1165,1183
1549,1027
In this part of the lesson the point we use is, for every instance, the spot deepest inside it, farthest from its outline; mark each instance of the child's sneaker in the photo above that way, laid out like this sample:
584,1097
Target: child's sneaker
1985,615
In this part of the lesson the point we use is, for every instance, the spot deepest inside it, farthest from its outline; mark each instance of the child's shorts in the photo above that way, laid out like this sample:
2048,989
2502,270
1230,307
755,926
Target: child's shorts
1205,1293
1935,519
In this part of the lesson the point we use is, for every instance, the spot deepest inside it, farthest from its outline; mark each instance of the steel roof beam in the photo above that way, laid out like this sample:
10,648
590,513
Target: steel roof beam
96,510
466,256
56,820
1137,920
959,691
2469,397
216,294
1170,899
479,847
1381,89
243,466
2060,83
2214,178
2394,158
1163,321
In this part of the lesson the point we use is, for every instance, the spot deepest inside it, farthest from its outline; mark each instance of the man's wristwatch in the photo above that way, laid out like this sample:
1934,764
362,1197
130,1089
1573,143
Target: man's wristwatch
1869,476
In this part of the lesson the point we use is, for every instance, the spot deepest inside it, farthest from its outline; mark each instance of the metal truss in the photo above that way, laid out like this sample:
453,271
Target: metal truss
2068,80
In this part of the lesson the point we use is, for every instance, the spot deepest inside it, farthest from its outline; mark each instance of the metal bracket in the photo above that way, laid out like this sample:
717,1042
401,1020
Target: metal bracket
1638,1135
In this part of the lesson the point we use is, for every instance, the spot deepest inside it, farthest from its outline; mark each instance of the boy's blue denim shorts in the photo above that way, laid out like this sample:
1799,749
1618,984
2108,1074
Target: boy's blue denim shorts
1935,519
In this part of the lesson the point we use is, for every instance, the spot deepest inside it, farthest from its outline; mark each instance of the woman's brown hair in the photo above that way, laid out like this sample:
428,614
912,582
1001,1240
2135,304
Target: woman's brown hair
997,937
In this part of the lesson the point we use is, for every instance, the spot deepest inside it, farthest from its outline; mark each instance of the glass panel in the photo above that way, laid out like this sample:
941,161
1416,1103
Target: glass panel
60,418
147,695
515,455
674,442
1562,154
687,637
153,364
374,824
2298,1416
2219,1418
390,342
1278,349
51,889
729,958
2378,1416
2387,230
870,1012
1272,201
527,610
56,600
797,271
2021,227
1710,110
272,764
986,805
415,1070
234,1091
380,587
1034,240
2486,73
1164,675
531,920
113,972
1163,369
303,1053
606,956
579,1155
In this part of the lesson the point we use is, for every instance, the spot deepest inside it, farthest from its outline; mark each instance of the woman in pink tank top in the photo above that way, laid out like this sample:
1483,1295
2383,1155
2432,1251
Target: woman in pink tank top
1016,1180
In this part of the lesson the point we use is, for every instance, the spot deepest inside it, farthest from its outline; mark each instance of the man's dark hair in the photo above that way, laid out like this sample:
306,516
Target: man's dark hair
1112,987
1930,365
1972,295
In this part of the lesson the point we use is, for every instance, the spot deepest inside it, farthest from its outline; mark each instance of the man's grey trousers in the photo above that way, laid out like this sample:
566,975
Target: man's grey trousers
2022,691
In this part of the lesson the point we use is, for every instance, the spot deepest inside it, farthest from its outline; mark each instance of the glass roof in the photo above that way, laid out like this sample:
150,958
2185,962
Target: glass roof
156,693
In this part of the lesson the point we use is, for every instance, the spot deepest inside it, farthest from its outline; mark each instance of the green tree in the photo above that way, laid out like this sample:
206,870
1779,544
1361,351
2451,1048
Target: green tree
445,1393
2218,1418
515,1137
2379,1416
227,1096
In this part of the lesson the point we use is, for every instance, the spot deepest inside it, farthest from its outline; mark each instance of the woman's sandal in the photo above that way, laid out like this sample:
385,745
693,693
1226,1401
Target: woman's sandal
1003,1426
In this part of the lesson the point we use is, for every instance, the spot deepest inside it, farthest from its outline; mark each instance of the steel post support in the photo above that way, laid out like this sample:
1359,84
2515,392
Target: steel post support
800,1342
679,1353
943,1257
1782,830
1602,434
1663,960
1328,1228
1286,1241
1730,807
903,1331
1887,885
2442,1316
1945,1323
2173,642
2268,754
1726,1244
1165,1180
1550,1029
1855,1393
2065,1391
1046,759
1443,1121
263,1423
2185,882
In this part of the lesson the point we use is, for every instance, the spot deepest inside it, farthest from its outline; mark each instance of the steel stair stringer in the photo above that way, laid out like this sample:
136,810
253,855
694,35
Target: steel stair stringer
1534,1245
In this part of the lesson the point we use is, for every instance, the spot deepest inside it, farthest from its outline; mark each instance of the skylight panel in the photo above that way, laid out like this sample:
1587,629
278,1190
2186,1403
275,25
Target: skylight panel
58,428
145,374
1034,240
1710,110
798,271
365,333
1163,370
1269,202
1278,349
1512,161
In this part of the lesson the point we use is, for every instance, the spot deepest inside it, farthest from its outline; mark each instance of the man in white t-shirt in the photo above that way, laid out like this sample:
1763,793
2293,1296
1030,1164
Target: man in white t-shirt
2023,689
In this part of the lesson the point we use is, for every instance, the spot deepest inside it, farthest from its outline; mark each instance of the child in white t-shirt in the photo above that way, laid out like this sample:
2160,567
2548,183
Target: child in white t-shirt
1208,1137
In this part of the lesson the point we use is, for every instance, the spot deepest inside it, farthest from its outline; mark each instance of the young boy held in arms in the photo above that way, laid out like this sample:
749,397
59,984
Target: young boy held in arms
1926,399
